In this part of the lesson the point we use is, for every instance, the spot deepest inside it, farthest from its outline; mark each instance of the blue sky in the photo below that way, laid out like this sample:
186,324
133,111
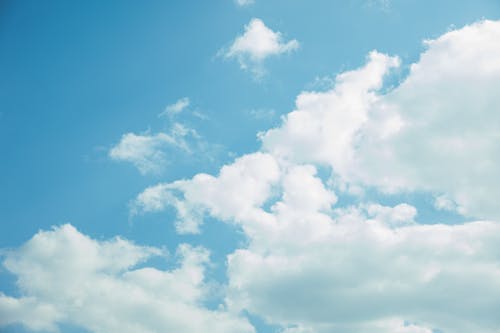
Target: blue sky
77,78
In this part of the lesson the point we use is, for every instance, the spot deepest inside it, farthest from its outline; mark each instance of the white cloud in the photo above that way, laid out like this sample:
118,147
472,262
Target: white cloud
437,131
358,275
237,192
359,269
143,151
323,127
244,2
399,215
311,267
27,310
307,265
449,139
257,43
148,152
177,107
67,277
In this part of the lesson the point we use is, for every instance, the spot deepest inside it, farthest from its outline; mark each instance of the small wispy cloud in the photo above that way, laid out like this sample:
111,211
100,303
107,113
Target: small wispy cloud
176,108
262,114
152,152
147,152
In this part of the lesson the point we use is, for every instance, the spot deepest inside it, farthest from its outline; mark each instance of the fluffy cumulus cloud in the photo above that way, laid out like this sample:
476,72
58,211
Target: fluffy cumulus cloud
148,152
368,267
437,131
257,43
29,311
239,190
323,127
447,139
67,277
351,273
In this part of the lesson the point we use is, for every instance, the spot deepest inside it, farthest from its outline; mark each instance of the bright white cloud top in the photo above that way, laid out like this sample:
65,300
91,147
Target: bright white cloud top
310,264
257,43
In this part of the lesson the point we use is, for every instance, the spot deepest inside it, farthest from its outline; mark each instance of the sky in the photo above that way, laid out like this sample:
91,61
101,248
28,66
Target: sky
250,166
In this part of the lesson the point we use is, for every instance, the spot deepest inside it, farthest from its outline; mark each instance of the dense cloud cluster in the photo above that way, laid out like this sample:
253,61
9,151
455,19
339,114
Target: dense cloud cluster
102,286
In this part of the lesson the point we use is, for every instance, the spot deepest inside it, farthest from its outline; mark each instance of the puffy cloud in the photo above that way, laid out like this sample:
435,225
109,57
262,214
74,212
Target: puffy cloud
448,140
67,277
398,215
372,268
147,152
360,275
257,43
27,310
143,151
236,193
323,127
437,131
